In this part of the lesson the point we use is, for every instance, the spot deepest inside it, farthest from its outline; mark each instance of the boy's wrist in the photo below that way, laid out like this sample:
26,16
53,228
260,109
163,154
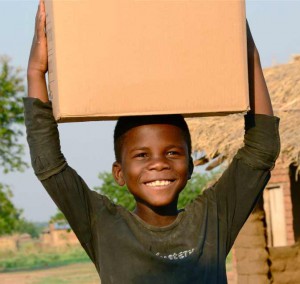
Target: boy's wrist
33,75
254,57
37,87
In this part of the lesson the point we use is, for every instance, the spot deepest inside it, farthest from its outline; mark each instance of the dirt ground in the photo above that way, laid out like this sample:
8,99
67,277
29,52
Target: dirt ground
82,273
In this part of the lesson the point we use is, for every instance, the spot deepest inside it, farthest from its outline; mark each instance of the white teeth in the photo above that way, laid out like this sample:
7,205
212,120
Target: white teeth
158,183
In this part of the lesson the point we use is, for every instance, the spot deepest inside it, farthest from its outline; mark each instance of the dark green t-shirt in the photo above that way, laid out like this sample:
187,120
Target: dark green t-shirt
123,247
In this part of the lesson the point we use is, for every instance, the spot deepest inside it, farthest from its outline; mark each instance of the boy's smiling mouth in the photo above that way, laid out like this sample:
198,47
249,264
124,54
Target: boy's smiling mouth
158,183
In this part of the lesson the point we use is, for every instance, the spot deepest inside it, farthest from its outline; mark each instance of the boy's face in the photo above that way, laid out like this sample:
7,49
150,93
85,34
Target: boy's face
154,164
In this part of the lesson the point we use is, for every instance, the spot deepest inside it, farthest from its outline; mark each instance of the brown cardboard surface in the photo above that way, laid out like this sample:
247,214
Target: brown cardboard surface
111,58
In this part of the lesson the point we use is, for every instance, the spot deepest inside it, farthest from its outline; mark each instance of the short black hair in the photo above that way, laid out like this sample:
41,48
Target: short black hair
125,123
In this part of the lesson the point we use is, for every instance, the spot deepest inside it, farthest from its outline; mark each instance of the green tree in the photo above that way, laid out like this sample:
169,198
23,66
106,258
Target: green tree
11,219
59,218
117,194
193,188
11,115
27,227
9,214
11,149
120,195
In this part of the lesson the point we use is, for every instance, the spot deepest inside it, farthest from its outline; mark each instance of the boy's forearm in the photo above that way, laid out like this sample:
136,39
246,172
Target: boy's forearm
38,59
37,87
260,101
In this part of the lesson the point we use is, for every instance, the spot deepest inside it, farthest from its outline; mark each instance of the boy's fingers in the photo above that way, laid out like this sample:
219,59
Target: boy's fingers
40,22
40,27
42,6
37,17
250,40
38,52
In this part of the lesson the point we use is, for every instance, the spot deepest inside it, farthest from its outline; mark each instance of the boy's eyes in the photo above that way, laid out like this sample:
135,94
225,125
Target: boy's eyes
145,154
141,155
173,153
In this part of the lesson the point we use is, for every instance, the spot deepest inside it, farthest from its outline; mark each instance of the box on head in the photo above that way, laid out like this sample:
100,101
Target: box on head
114,58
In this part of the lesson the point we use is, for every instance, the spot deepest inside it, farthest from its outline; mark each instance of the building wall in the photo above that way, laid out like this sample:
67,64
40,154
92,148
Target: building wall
8,243
281,177
251,255
258,263
285,264
58,238
52,238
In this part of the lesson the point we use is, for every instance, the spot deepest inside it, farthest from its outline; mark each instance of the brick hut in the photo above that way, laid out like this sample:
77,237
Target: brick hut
267,249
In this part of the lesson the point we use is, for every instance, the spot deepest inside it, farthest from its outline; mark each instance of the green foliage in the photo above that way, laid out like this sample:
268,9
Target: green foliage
59,218
11,220
120,195
11,150
229,261
11,114
30,228
9,214
193,188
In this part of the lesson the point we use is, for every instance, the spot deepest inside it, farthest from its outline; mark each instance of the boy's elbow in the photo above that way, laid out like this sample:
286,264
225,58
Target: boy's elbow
262,142
45,168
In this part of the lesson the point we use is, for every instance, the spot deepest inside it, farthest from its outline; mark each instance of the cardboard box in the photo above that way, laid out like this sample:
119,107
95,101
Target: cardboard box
111,58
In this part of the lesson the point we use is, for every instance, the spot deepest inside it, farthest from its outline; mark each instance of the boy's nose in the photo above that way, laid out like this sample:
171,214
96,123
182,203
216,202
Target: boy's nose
158,164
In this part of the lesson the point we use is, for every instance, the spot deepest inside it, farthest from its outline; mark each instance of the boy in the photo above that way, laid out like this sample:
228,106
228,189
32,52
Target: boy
157,243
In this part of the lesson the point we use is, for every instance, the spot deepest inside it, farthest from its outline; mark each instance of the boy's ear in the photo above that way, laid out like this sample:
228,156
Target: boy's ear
118,174
191,167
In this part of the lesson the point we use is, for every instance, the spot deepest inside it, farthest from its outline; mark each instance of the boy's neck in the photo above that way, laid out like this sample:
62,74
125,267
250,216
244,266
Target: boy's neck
159,217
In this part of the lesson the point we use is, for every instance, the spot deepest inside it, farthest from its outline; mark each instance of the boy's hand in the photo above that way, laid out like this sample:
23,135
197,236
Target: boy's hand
251,47
38,59
259,96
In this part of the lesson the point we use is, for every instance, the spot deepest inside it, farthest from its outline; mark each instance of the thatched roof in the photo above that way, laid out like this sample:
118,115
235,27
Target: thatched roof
224,135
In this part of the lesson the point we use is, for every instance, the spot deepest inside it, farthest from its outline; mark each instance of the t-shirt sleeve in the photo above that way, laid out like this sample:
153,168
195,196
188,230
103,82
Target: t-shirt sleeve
240,186
67,189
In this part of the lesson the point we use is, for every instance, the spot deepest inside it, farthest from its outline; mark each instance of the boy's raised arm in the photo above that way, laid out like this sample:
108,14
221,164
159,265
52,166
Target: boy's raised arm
38,59
64,185
259,95
243,181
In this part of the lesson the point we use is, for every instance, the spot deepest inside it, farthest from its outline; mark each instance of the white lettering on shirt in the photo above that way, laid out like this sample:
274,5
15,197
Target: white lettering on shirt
175,256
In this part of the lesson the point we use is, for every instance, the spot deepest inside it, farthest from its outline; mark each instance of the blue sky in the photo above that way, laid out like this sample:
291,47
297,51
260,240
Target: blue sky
88,146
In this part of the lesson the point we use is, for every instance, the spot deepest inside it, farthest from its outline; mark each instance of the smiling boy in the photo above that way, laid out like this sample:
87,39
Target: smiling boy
157,243
153,158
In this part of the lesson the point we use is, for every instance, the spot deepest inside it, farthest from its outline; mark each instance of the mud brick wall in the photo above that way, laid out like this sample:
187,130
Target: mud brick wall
280,176
8,243
58,238
251,255
285,264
